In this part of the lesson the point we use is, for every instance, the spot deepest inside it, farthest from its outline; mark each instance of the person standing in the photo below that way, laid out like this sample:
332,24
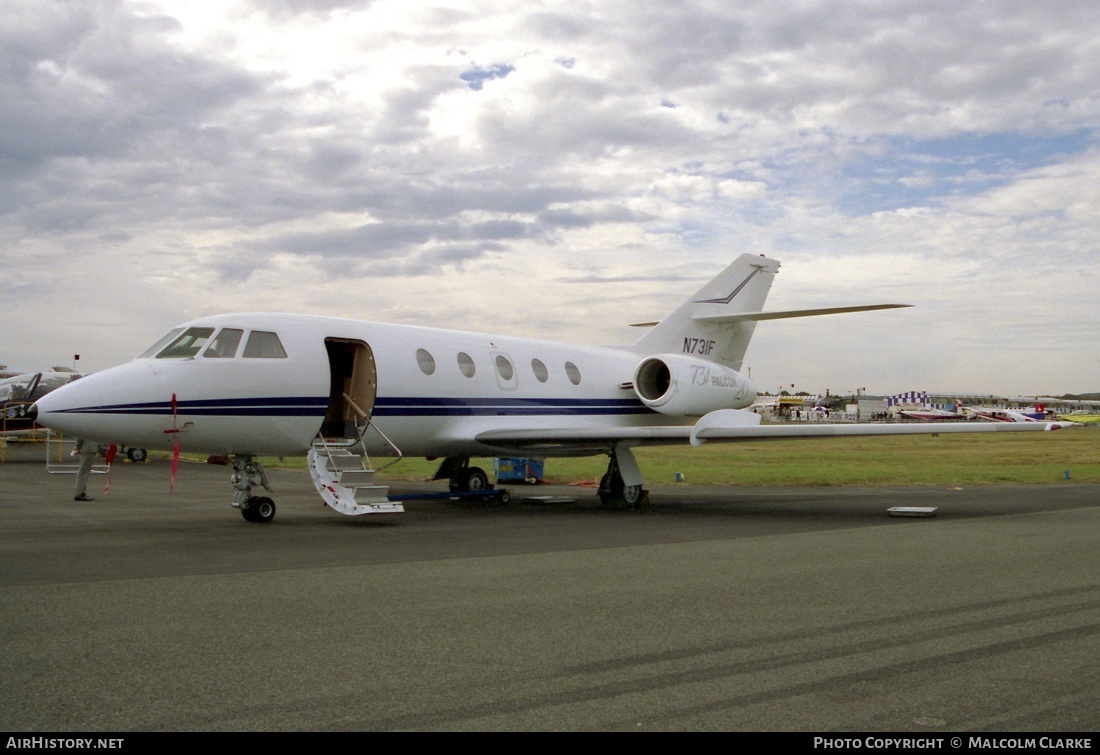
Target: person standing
87,452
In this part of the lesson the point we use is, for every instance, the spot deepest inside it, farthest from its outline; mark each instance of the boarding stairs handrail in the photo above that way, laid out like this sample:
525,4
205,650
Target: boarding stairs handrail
362,430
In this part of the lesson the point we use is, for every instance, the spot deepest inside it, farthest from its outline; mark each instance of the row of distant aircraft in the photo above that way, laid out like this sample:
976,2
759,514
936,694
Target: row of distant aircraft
343,391
985,413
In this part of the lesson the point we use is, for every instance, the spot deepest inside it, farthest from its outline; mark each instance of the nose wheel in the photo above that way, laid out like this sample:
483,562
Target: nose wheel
247,473
260,509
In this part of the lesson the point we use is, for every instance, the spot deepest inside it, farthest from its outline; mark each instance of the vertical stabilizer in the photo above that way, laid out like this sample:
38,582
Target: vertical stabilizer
742,287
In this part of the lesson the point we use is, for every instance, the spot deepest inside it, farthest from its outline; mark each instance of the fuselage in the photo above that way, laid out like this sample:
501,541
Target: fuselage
269,383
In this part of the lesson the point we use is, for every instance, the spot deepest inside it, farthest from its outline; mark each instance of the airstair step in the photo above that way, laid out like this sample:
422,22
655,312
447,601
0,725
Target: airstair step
372,494
341,462
334,444
357,478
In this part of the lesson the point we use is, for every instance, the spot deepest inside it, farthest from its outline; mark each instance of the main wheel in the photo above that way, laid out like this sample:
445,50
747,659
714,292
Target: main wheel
615,495
476,480
470,480
136,455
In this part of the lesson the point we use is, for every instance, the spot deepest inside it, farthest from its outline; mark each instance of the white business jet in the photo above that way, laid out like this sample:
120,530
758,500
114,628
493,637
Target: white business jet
342,391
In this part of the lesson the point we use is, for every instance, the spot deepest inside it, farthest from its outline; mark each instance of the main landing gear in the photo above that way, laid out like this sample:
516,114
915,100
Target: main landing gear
621,486
461,477
468,482
248,472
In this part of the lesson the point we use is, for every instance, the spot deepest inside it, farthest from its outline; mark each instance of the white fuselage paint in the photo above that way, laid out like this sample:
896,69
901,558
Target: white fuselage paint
276,406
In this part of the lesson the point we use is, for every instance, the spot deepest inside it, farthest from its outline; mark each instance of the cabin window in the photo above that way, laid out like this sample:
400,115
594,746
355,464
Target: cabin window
541,373
187,344
504,367
156,347
573,373
224,345
264,344
426,361
466,364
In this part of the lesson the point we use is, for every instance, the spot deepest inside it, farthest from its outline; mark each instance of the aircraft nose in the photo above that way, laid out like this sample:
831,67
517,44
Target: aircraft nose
119,405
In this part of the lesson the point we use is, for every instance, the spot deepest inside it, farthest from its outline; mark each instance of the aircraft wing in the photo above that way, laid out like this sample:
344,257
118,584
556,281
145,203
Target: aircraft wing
727,426
722,426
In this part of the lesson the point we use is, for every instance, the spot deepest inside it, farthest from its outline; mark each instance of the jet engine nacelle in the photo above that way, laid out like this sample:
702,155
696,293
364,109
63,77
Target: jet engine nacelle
684,386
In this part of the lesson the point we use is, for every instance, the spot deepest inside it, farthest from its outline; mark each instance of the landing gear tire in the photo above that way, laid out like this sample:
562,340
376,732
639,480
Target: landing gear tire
136,455
261,509
248,472
615,494
470,480
476,480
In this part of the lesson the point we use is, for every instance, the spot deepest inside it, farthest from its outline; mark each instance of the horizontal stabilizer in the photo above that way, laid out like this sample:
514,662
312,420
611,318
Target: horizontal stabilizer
779,315
786,314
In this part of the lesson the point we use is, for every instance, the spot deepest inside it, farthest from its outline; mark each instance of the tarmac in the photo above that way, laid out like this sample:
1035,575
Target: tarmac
710,609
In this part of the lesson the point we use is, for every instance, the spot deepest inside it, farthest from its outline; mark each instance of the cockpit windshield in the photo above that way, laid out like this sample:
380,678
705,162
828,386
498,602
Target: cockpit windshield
187,344
156,347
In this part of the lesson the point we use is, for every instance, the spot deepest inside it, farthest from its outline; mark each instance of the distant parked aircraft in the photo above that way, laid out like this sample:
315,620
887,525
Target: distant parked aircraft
18,393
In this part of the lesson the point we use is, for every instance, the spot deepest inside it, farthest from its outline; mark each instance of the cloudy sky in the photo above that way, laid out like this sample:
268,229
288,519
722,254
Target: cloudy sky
563,169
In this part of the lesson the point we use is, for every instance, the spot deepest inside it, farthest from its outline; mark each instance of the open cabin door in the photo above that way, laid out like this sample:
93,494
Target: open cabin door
338,461
353,374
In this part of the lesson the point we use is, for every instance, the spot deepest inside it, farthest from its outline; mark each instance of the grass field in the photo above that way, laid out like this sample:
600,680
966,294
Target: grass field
980,459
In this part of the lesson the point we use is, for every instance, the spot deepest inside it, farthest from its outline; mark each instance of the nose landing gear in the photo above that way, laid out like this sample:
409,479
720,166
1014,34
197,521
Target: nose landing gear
248,472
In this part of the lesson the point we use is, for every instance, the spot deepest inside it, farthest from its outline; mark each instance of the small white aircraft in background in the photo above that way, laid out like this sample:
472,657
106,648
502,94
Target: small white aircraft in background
341,391
19,392
997,414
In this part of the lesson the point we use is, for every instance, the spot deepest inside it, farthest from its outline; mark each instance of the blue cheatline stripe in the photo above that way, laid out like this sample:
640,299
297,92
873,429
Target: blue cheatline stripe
290,406
470,407
397,406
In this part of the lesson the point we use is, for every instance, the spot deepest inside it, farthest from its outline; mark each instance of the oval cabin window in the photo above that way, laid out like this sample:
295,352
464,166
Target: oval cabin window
541,373
426,361
466,364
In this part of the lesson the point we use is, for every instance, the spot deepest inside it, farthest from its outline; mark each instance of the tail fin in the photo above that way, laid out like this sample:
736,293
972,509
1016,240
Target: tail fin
711,325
